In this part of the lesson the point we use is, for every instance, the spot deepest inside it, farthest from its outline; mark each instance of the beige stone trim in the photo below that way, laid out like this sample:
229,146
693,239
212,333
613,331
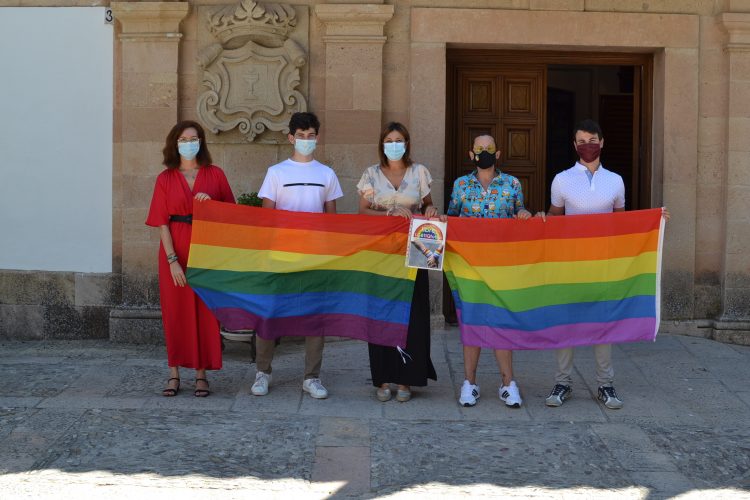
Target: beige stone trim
355,39
523,28
354,23
738,28
578,5
150,37
150,20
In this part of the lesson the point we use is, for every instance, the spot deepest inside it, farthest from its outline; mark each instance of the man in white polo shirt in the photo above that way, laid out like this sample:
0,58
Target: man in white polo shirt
586,188
299,184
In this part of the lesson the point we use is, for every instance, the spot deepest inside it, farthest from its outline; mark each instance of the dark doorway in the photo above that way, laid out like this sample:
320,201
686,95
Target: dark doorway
606,94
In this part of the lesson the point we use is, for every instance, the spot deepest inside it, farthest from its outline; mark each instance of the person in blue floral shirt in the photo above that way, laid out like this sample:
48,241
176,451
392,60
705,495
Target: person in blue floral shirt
488,193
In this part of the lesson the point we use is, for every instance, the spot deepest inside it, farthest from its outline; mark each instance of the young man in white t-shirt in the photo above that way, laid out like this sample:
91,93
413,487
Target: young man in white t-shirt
586,188
299,184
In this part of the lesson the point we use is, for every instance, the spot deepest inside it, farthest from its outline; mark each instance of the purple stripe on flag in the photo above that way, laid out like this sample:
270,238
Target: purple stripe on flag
557,337
339,325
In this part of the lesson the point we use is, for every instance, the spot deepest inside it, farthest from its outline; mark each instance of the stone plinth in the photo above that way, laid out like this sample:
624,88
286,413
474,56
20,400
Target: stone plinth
136,326
56,305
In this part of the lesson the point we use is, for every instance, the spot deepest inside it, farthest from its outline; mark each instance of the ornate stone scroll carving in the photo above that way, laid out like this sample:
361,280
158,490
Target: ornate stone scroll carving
252,76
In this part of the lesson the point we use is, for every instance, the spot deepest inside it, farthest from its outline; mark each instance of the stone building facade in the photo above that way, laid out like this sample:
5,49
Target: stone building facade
445,68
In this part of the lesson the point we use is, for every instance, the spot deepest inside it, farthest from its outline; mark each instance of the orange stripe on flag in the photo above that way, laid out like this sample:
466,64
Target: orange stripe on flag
555,250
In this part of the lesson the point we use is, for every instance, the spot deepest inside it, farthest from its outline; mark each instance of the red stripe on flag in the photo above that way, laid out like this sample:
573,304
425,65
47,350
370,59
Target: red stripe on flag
228,213
565,227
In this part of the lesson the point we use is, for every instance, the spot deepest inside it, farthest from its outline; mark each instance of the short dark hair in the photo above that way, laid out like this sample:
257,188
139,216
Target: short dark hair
588,125
172,155
401,129
303,121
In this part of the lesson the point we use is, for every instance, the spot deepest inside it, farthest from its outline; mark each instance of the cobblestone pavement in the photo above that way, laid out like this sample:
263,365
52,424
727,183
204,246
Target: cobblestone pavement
86,419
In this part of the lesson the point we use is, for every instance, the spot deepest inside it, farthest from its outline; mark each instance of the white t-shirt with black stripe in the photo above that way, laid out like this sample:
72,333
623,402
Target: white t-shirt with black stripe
300,187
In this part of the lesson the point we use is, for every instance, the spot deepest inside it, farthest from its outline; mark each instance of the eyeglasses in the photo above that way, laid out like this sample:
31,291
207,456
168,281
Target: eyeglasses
491,149
188,140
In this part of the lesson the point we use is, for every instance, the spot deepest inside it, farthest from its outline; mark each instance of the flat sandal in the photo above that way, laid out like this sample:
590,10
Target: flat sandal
201,393
169,392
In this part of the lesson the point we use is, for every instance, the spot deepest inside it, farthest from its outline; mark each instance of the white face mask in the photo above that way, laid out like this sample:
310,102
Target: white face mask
394,151
305,147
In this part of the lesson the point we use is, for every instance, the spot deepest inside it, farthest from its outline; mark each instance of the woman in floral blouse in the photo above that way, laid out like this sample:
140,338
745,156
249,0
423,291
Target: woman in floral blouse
401,187
488,193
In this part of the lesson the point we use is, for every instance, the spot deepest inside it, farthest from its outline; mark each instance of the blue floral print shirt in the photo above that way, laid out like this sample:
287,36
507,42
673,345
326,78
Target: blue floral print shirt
502,199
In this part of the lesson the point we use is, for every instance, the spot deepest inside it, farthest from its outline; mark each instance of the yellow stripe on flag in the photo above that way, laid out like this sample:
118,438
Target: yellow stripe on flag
552,273
271,261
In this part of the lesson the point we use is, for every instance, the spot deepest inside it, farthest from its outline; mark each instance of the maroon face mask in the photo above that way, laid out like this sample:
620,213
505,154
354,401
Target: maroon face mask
589,151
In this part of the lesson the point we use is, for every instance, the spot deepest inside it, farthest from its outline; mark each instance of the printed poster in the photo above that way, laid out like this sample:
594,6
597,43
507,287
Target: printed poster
426,244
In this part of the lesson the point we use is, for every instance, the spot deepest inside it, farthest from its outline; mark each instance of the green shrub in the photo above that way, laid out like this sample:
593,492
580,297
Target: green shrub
250,199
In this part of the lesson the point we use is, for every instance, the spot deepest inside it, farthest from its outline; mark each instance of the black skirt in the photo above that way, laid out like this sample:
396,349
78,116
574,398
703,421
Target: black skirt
386,364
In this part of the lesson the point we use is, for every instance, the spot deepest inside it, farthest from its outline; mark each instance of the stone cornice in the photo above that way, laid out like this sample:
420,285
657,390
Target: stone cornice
354,23
737,26
153,21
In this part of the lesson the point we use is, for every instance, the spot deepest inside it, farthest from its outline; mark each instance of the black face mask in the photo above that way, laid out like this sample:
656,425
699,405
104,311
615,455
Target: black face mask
484,159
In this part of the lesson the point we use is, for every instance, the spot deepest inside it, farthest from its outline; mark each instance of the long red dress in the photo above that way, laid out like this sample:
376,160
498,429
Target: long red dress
190,329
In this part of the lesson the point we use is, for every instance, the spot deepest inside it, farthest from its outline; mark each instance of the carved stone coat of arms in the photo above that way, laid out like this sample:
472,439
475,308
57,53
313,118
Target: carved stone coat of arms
251,77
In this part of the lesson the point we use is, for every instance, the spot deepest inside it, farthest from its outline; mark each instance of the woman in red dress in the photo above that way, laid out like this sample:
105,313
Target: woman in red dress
190,329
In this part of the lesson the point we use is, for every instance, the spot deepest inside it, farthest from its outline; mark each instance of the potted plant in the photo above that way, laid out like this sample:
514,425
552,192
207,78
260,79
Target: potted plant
250,199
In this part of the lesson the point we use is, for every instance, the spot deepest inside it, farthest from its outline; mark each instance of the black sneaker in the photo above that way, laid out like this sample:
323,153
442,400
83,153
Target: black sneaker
608,396
558,395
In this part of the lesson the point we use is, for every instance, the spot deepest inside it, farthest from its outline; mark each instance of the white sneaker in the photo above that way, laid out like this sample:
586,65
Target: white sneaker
262,381
469,394
558,395
608,396
315,388
510,395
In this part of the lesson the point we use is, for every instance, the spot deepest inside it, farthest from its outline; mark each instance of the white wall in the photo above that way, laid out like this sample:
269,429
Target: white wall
55,139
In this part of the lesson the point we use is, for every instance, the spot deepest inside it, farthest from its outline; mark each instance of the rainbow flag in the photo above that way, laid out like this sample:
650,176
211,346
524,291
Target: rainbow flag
570,281
293,273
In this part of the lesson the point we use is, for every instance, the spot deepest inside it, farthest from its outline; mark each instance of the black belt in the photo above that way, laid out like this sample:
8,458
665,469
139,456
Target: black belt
187,219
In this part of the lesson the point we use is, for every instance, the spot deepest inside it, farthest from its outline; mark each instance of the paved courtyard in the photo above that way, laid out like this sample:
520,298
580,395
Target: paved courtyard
85,419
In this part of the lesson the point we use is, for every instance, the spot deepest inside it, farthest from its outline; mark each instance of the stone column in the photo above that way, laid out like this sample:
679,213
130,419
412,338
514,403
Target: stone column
146,107
735,319
677,136
427,119
353,108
